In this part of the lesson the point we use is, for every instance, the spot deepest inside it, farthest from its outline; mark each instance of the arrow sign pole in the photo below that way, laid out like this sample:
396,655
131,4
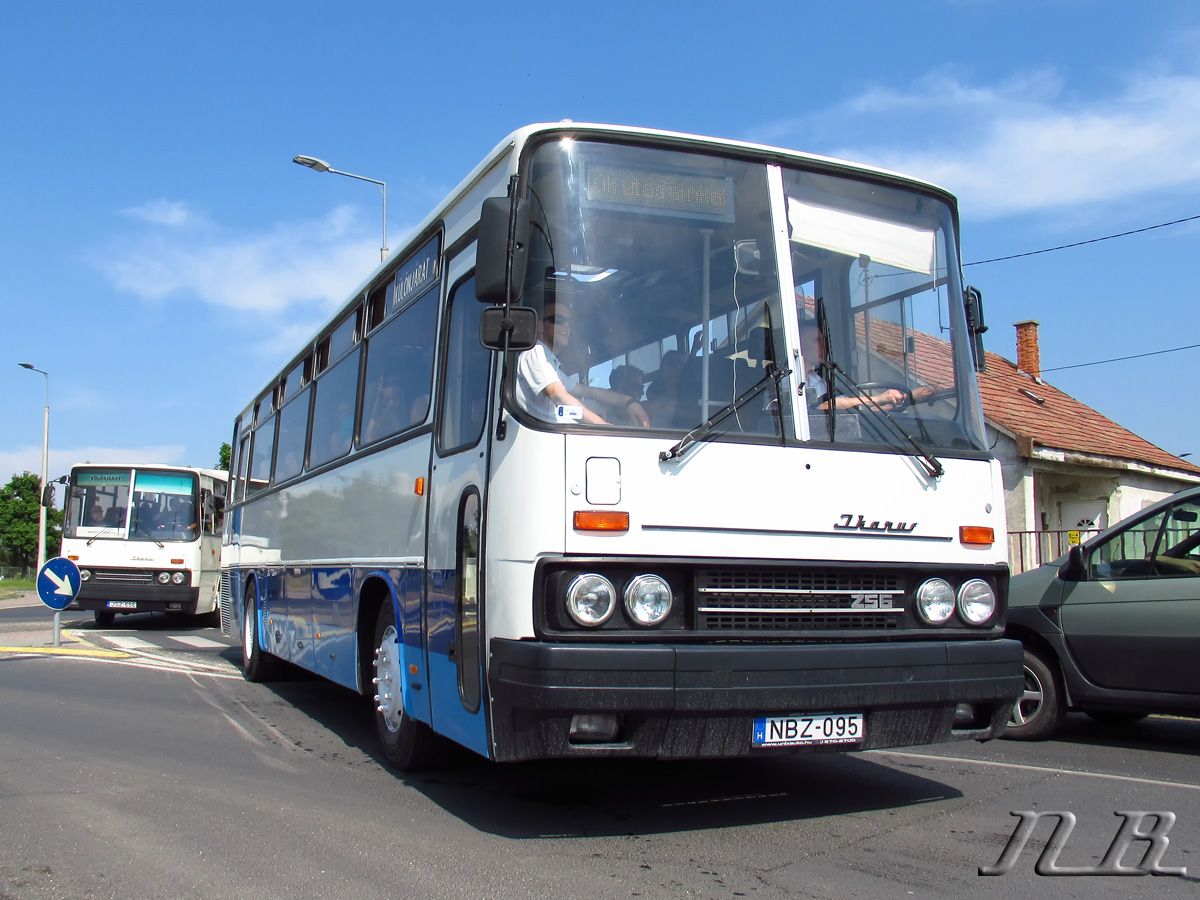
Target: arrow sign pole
58,583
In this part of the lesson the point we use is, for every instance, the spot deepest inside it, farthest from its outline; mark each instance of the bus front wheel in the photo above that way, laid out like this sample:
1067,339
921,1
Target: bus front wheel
407,744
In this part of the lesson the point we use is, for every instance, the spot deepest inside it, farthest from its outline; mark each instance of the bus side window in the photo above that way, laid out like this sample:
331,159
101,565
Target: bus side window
333,411
399,371
260,465
293,432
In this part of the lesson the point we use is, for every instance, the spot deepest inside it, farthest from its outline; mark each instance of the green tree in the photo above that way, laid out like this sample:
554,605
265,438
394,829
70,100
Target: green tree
19,503
223,456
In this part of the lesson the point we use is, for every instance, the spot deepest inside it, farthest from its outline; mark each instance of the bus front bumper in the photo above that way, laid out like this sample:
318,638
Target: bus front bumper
118,598
690,701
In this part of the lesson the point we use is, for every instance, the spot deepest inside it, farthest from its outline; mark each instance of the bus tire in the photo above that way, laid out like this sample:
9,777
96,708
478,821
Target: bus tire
257,664
408,745
104,618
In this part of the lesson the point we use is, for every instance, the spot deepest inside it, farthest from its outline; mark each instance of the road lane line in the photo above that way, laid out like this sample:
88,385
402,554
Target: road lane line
200,643
129,642
1049,770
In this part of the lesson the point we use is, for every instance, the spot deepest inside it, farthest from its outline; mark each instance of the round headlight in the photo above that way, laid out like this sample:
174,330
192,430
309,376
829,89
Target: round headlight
85,574
178,578
590,599
164,577
935,601
648,600
976,601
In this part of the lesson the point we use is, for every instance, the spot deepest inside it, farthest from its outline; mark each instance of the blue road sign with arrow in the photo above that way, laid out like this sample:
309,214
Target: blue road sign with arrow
58,582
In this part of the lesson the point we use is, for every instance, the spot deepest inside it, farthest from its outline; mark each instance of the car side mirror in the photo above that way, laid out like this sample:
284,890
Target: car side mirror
1074,569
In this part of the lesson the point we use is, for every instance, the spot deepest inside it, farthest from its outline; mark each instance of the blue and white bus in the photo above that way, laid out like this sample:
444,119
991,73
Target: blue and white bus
751,510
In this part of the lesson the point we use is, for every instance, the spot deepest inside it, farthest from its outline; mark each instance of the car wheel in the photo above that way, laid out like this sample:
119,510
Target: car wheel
1039,711
407,744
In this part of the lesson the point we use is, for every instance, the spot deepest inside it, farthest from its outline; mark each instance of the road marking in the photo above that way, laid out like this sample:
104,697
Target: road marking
68,651
129,642
200,643
1049,770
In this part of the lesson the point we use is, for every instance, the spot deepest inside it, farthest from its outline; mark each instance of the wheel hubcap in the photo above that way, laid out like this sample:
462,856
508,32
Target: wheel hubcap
1026,709
388,699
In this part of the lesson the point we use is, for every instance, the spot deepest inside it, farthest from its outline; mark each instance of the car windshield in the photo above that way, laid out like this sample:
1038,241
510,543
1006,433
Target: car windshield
656,278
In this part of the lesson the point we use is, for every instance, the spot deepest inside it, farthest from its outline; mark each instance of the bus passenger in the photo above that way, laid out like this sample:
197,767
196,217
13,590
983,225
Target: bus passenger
542,388
95,517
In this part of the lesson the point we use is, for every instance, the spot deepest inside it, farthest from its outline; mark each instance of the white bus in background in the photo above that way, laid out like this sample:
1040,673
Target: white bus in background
749,573
146,538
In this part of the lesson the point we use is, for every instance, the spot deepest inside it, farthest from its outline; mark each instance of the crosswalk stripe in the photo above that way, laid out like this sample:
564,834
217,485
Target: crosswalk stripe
128,642
200,643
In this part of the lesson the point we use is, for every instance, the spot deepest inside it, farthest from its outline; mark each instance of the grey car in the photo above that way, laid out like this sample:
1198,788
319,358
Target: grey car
1113,627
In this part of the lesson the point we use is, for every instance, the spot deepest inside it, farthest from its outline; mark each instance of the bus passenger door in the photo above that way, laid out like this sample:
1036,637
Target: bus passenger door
454,607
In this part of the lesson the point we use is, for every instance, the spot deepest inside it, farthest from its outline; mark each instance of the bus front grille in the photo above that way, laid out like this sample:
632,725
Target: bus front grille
799,599
123,576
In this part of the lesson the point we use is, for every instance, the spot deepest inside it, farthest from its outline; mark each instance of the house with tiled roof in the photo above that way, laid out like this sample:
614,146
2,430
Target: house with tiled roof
1069,471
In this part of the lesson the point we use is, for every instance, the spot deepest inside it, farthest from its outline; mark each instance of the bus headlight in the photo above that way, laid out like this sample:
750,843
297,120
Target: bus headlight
590,599
976,601
164,577
935,601
648,600
178,578
85,574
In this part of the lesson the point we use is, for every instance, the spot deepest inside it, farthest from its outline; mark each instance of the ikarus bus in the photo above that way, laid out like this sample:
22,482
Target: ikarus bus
645,444
146,538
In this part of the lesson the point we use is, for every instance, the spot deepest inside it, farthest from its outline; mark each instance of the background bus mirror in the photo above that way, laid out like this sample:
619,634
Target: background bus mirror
48,495
973,302
491,249
521,323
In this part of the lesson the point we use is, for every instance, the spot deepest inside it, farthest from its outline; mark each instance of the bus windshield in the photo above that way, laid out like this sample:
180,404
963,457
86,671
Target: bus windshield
132,504
656,276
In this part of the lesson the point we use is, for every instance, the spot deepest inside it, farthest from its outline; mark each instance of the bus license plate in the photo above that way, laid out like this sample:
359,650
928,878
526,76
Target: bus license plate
121,604
799,731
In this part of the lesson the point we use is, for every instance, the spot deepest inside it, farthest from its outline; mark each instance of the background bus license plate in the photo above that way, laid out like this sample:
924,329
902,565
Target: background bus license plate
797,731
121,604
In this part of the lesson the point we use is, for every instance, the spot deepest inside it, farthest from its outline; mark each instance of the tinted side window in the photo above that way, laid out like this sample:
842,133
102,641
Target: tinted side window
260,465
400,371
464,390
293,429
333,412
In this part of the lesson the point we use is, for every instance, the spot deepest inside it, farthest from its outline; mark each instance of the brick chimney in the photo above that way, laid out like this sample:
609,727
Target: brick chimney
1029,359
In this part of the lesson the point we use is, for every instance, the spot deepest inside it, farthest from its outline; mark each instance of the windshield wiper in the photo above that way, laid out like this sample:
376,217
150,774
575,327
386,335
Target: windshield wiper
928,461
701,432
138,526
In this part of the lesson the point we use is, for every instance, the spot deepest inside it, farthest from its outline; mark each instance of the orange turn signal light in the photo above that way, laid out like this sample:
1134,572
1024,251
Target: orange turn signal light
977,534
601,520
419,486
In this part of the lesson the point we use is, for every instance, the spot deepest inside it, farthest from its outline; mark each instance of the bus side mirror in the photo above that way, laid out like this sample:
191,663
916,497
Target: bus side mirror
973,303
492,249
1074,569
520,323
48,495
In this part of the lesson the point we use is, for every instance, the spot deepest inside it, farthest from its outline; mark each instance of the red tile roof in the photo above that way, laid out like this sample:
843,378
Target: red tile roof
1039,412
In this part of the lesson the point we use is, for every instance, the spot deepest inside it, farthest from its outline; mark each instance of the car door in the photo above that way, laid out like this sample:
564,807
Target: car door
1134,624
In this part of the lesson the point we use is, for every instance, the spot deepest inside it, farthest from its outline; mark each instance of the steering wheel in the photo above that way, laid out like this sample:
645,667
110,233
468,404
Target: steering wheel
869,387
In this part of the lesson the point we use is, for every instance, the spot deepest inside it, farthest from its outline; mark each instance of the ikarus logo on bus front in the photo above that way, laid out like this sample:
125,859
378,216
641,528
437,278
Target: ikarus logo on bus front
847,523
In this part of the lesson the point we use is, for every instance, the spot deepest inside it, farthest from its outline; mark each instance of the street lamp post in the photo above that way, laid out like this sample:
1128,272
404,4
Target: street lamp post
320,165
41,557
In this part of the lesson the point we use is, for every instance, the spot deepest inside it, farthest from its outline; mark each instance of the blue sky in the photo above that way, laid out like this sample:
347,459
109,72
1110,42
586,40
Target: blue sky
161,257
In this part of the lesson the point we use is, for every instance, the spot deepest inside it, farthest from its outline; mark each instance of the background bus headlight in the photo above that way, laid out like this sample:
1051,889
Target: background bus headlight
85,574
164,577
178,578
590,600
935,601
976,601
648,600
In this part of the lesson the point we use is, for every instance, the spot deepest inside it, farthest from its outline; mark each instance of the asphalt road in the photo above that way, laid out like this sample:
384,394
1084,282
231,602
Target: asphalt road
156,772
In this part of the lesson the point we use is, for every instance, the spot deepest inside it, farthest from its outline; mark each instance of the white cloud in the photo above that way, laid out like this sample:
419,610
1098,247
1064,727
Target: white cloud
28,458
296,264
1027,144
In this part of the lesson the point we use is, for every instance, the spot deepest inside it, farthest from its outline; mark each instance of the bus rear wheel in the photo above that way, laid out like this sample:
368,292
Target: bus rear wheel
257,664
407,744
